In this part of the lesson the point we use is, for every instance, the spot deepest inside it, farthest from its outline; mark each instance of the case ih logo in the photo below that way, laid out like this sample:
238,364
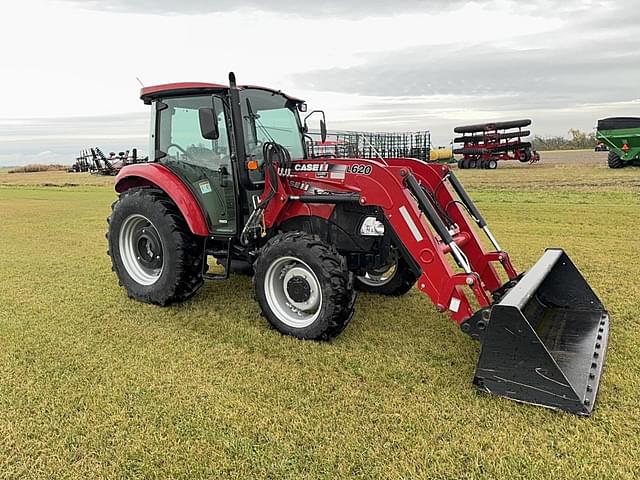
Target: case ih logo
310,167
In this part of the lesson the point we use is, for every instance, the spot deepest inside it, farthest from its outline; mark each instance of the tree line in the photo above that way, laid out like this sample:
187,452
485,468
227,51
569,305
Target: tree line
578,140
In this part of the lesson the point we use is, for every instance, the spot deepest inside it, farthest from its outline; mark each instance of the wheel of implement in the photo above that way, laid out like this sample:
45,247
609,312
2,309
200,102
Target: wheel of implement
303,286
395,279
473,163
460,162
525,155
614,161
153,253
481,164
465,163
492,164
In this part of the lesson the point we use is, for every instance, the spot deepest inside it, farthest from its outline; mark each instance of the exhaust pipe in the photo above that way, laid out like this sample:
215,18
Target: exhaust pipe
546,339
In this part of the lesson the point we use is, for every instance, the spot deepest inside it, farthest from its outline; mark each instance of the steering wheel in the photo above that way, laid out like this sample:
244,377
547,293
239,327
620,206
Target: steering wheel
182,150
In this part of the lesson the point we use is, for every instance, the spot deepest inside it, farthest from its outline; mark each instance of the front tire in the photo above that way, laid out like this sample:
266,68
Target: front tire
153,252
303,286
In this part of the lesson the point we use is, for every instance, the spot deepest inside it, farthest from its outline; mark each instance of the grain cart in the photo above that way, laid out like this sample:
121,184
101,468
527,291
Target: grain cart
230,178
622,136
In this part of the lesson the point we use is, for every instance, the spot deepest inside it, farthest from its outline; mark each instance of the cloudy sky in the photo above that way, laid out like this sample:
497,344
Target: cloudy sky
69,67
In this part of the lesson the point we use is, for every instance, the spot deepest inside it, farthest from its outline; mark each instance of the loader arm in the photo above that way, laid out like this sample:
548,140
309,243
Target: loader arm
545,333
425,217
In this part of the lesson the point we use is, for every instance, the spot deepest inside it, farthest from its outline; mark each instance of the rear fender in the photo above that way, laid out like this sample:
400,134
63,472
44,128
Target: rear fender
159,176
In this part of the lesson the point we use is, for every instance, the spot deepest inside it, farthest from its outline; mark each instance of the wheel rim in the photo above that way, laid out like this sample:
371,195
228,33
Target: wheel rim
293,292
141,250
377,278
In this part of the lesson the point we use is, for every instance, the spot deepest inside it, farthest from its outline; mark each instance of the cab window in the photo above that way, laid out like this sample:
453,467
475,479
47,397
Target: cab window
270,117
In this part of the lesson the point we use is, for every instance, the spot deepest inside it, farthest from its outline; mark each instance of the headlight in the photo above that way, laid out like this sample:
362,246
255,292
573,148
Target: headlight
372,227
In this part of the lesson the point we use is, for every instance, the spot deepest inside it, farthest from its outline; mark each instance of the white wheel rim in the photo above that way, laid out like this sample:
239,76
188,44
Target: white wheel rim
379,278
295,314
129,243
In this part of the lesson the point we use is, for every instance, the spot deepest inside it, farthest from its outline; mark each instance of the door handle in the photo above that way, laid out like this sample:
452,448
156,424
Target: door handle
224,175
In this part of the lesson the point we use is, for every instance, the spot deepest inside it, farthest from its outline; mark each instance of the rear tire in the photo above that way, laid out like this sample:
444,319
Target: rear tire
614,160
153,252
303,286
394,283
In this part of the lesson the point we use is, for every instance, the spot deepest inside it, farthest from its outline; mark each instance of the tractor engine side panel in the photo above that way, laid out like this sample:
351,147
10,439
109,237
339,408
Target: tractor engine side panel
340,225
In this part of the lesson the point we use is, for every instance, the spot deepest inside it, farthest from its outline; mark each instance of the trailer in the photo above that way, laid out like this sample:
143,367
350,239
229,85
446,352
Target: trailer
622,137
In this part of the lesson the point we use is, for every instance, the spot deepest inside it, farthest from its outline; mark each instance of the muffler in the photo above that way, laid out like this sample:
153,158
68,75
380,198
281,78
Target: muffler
546,339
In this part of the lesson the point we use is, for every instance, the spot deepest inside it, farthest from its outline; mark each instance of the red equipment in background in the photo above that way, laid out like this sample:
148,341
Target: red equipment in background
487,143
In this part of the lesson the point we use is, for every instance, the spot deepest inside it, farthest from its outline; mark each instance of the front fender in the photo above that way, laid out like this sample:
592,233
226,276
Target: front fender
158,176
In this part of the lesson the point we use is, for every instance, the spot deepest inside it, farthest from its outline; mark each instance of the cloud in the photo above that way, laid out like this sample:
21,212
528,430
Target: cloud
59,140
354,9
559,76
335,8
566,77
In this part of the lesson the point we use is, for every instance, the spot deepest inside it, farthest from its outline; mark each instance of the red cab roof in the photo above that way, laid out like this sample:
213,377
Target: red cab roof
147,94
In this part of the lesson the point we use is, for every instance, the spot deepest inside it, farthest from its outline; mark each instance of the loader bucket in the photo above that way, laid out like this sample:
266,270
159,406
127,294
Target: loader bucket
546,339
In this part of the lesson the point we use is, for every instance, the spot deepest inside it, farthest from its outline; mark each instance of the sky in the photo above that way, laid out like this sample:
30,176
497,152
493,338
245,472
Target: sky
69,69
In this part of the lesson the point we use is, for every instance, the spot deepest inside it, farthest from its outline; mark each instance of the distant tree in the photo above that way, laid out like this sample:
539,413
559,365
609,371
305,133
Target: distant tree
37,167
578,140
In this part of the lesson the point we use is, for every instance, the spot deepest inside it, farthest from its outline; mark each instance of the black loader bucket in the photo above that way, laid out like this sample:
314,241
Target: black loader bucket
546,339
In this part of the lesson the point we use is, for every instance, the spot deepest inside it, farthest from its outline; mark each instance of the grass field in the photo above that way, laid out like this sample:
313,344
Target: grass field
94,385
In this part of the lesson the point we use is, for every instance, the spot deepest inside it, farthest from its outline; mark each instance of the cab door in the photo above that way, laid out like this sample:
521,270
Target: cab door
203,164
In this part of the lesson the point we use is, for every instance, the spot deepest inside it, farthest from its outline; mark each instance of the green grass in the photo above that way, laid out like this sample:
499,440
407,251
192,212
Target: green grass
94,385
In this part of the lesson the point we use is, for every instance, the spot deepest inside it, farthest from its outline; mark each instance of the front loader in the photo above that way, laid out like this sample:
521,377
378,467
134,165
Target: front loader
230,177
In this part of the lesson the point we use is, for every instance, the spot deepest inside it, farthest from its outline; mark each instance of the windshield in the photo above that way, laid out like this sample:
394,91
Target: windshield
270,117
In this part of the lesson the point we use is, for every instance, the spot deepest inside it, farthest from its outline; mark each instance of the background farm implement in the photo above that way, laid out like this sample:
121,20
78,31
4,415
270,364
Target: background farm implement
483,145
94,161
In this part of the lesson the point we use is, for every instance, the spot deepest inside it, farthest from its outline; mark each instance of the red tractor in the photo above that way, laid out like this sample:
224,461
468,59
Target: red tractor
230,177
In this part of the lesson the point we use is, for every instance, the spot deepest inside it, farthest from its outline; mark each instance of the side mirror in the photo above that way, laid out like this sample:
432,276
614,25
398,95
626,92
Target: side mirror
323,124
208,123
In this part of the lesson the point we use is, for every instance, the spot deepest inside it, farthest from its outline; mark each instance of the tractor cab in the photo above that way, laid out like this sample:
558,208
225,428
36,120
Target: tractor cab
211,136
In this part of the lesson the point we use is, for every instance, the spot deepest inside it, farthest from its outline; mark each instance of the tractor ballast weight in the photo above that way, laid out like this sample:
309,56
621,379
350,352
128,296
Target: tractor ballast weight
315,226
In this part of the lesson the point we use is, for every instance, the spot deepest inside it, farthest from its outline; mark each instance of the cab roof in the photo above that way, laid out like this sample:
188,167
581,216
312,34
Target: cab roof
148,94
